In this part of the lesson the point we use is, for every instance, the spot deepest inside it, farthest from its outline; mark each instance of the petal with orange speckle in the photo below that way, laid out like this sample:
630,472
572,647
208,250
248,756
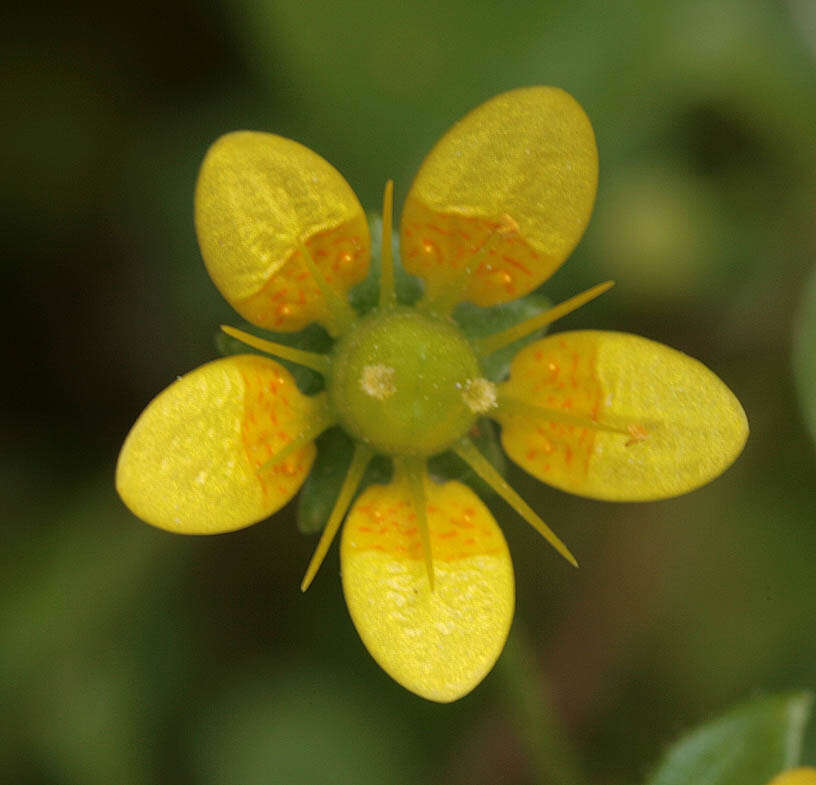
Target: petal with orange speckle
193,461
516,178
439,644
678,425
259,200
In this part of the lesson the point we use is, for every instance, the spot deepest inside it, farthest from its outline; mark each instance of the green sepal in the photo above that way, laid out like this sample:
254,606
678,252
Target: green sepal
311,339
748,745
479,322
319,493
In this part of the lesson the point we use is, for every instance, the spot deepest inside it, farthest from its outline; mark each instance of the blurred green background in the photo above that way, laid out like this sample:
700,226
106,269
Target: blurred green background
131,656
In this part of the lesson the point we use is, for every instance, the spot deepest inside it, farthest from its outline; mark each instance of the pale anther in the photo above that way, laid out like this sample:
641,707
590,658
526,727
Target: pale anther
508,226
637,432
479,395
378,381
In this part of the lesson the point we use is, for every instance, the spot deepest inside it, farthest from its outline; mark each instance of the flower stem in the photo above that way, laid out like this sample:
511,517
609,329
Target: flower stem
549,755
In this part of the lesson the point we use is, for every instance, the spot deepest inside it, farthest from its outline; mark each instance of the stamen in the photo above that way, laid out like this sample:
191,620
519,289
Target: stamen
479,395
387,292
341,316
470,454
517,408
415,471
317,362
448,296
321,422
378,381
486,346
362,455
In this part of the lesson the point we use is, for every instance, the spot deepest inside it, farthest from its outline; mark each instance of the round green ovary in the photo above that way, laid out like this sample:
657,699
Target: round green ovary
397,383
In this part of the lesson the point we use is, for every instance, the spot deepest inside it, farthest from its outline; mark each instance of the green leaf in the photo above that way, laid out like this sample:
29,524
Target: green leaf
749,745
804,354
479,322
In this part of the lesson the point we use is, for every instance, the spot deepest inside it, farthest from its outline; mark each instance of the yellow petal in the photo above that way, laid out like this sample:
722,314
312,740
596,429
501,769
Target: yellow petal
678,426
803,776
439,644
519,173
258,198
192,462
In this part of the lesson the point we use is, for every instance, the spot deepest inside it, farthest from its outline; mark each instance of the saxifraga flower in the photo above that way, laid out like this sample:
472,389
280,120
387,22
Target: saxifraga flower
497,206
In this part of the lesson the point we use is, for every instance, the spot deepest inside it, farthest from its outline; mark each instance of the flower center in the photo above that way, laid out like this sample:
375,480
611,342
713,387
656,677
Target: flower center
407,383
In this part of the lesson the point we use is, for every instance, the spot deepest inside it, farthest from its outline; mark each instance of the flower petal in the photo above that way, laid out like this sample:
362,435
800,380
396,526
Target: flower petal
803,776
670,424
258,198
519,173
439,644
192,462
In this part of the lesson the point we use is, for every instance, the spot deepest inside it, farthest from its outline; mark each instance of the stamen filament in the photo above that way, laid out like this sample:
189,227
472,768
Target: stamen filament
518,408
492,343
448,296
470,454
321,422
317,362
341,315
415,471
387,291
362,455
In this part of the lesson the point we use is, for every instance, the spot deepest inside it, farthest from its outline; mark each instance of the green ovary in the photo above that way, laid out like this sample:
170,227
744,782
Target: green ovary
397,383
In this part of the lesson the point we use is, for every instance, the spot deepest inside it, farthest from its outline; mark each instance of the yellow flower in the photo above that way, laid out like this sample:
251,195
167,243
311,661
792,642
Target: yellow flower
803,776
497,206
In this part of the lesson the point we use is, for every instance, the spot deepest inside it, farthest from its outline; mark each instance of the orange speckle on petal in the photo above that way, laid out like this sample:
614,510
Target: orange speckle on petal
557,449
399,533
340,254
269,420
457,239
